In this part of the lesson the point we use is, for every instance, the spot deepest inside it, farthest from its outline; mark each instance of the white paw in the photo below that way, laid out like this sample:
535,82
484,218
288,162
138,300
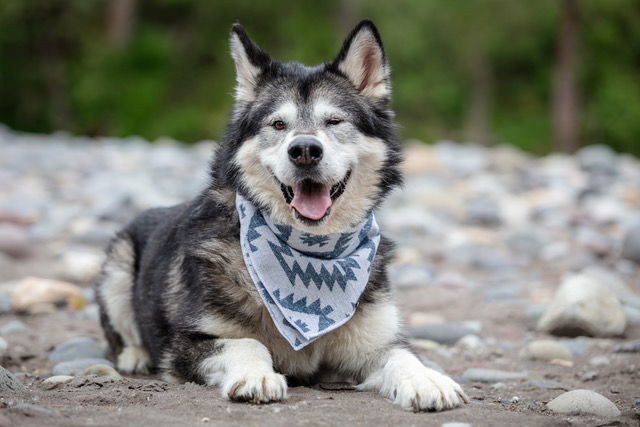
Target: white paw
133,360
425,390
255,387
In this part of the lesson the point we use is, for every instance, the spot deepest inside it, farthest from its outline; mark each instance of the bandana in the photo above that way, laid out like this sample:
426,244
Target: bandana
310,283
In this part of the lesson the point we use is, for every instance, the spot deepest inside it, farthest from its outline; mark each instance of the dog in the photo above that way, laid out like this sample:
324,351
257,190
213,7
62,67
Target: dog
312,151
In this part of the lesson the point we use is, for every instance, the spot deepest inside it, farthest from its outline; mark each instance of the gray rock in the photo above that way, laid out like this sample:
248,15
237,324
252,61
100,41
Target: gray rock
3,345
582,306
12,327
546,384
34,408
631,244
628,347
409,275
457,425
484,212
598,159
75,367
58,379
547,350
492,375
15,241
442,333
77,348
8,382
577,346
5,303
599,360
632,314
525,243
583,402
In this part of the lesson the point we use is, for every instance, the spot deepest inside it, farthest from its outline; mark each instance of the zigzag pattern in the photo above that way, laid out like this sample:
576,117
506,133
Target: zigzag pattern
301,306
257,220
314,239
309,275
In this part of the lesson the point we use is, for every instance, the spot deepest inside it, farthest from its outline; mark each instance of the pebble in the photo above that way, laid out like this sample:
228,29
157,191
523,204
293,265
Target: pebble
8,382
13,326
82,265
631,244
546,384
75,367
577,346
632,314
4,345
599,360
15,241
492,375
443,333
582,306
102,371
583,402
628,347
58,379
32,291
77,348
32,407
470,342
5,303
547,350
409,275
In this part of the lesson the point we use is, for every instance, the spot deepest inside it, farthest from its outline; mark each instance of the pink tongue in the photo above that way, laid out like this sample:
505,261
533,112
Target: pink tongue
311,200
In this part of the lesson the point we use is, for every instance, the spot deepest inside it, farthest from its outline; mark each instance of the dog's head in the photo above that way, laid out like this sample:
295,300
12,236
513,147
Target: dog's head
315,147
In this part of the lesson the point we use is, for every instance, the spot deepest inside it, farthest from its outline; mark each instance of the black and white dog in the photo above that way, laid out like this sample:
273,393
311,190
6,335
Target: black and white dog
312,150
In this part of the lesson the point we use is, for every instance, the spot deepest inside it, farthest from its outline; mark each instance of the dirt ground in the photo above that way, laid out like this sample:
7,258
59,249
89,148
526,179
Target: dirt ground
147,401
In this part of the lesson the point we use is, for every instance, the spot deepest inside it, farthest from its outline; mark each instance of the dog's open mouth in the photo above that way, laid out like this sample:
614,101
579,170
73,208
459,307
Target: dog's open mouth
312,200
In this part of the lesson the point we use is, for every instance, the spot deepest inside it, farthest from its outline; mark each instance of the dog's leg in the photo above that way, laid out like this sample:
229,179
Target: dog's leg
241,367
400,376
115,290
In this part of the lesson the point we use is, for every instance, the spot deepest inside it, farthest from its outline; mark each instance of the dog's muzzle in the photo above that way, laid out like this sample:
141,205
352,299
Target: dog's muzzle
305,151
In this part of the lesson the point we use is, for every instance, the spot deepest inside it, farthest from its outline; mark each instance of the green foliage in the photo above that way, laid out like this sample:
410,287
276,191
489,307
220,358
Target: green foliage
174,76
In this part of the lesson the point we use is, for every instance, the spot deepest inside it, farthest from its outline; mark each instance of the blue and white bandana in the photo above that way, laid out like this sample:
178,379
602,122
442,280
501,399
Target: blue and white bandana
310,283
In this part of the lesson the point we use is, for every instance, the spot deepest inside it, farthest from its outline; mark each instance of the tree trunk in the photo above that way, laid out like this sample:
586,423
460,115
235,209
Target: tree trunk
120,22
565,90
479,113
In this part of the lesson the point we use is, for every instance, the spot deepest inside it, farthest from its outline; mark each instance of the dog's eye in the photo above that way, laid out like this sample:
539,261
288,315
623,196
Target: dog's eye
333,122
279,125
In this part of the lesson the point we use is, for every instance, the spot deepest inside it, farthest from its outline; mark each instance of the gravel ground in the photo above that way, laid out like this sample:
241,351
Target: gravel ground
517,275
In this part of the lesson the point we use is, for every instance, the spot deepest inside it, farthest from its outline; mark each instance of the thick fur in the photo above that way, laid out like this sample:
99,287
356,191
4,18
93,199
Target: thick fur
175,294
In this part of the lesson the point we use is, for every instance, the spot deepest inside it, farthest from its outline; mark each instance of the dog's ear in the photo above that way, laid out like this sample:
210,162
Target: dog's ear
250,62
363,61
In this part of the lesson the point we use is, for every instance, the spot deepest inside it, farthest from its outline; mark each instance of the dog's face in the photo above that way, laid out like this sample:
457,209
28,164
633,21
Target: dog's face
313,146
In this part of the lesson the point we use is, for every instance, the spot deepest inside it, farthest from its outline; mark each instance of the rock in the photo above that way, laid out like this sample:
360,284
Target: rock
470,342
484,212
582,306
58,379
8,382
5,303
546,384
632,314
598,159
409,276
525,243
583,402
12,327
628,347
82,265
4,345
75,367
33,408
456,425
492,375
599,361
547,350
631,244
577,346
77,348
443,333
32,290
15,241
102,371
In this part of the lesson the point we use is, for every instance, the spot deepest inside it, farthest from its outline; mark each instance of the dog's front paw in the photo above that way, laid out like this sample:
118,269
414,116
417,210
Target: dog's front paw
425,390
256,387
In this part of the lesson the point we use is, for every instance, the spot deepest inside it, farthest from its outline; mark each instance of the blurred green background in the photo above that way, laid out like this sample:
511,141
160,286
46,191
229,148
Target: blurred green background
543,75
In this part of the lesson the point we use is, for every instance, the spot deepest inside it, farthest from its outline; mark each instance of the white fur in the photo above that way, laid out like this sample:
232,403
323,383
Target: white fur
116,292
365,60
243,370
408,383
246,72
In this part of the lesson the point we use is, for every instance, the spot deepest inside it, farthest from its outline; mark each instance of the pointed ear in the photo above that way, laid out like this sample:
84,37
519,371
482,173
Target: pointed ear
250,62
363,62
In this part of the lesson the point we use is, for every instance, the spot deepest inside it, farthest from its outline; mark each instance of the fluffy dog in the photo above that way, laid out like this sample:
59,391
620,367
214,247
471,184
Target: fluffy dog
314,151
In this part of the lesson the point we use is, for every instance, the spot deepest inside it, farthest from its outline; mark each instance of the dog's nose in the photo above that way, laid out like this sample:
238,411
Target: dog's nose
305,151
